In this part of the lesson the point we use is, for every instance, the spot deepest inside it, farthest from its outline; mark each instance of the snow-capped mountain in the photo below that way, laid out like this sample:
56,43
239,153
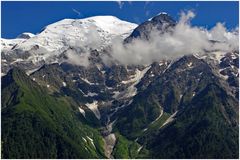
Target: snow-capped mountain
191,97
81,32
93,32
55,36
8,44
26,35
162,22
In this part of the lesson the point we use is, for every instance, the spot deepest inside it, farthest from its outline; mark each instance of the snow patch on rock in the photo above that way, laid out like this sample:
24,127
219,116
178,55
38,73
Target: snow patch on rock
91,140
64,84
91,94
94,108
193,94
82,111
116,94
87,81
189,64
132,90
84,139
140,148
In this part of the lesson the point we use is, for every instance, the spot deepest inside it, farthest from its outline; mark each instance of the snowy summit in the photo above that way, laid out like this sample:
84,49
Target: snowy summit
97,32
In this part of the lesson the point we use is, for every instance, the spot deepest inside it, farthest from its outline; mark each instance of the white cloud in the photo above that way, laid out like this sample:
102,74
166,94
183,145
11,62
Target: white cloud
120,4
182,40
77,58
79,51
186,17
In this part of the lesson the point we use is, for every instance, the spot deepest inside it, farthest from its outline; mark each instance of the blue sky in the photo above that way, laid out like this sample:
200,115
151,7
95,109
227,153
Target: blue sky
18,17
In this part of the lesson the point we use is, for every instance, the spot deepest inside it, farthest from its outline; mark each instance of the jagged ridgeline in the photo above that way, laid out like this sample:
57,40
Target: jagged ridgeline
52,107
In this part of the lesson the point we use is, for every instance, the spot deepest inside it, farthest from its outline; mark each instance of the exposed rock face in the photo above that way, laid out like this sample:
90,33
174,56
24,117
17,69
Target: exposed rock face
162,23
153,106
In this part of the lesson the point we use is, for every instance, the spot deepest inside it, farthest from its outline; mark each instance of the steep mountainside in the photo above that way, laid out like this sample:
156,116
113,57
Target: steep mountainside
38,125
179,108
206,128
162,22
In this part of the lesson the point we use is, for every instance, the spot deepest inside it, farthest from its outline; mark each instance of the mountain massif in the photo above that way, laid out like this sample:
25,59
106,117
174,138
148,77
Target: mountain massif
61,97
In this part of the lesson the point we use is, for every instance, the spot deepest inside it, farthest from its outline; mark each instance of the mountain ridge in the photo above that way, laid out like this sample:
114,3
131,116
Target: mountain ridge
178,108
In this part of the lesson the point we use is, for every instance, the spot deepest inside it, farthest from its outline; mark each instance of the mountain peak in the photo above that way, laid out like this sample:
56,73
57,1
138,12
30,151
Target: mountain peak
162,13
161,22
26,35
108,17
162,17
93,32
106,23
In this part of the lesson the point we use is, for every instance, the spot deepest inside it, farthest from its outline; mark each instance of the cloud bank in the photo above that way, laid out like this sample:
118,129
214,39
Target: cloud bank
78,59
183,39
78,52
